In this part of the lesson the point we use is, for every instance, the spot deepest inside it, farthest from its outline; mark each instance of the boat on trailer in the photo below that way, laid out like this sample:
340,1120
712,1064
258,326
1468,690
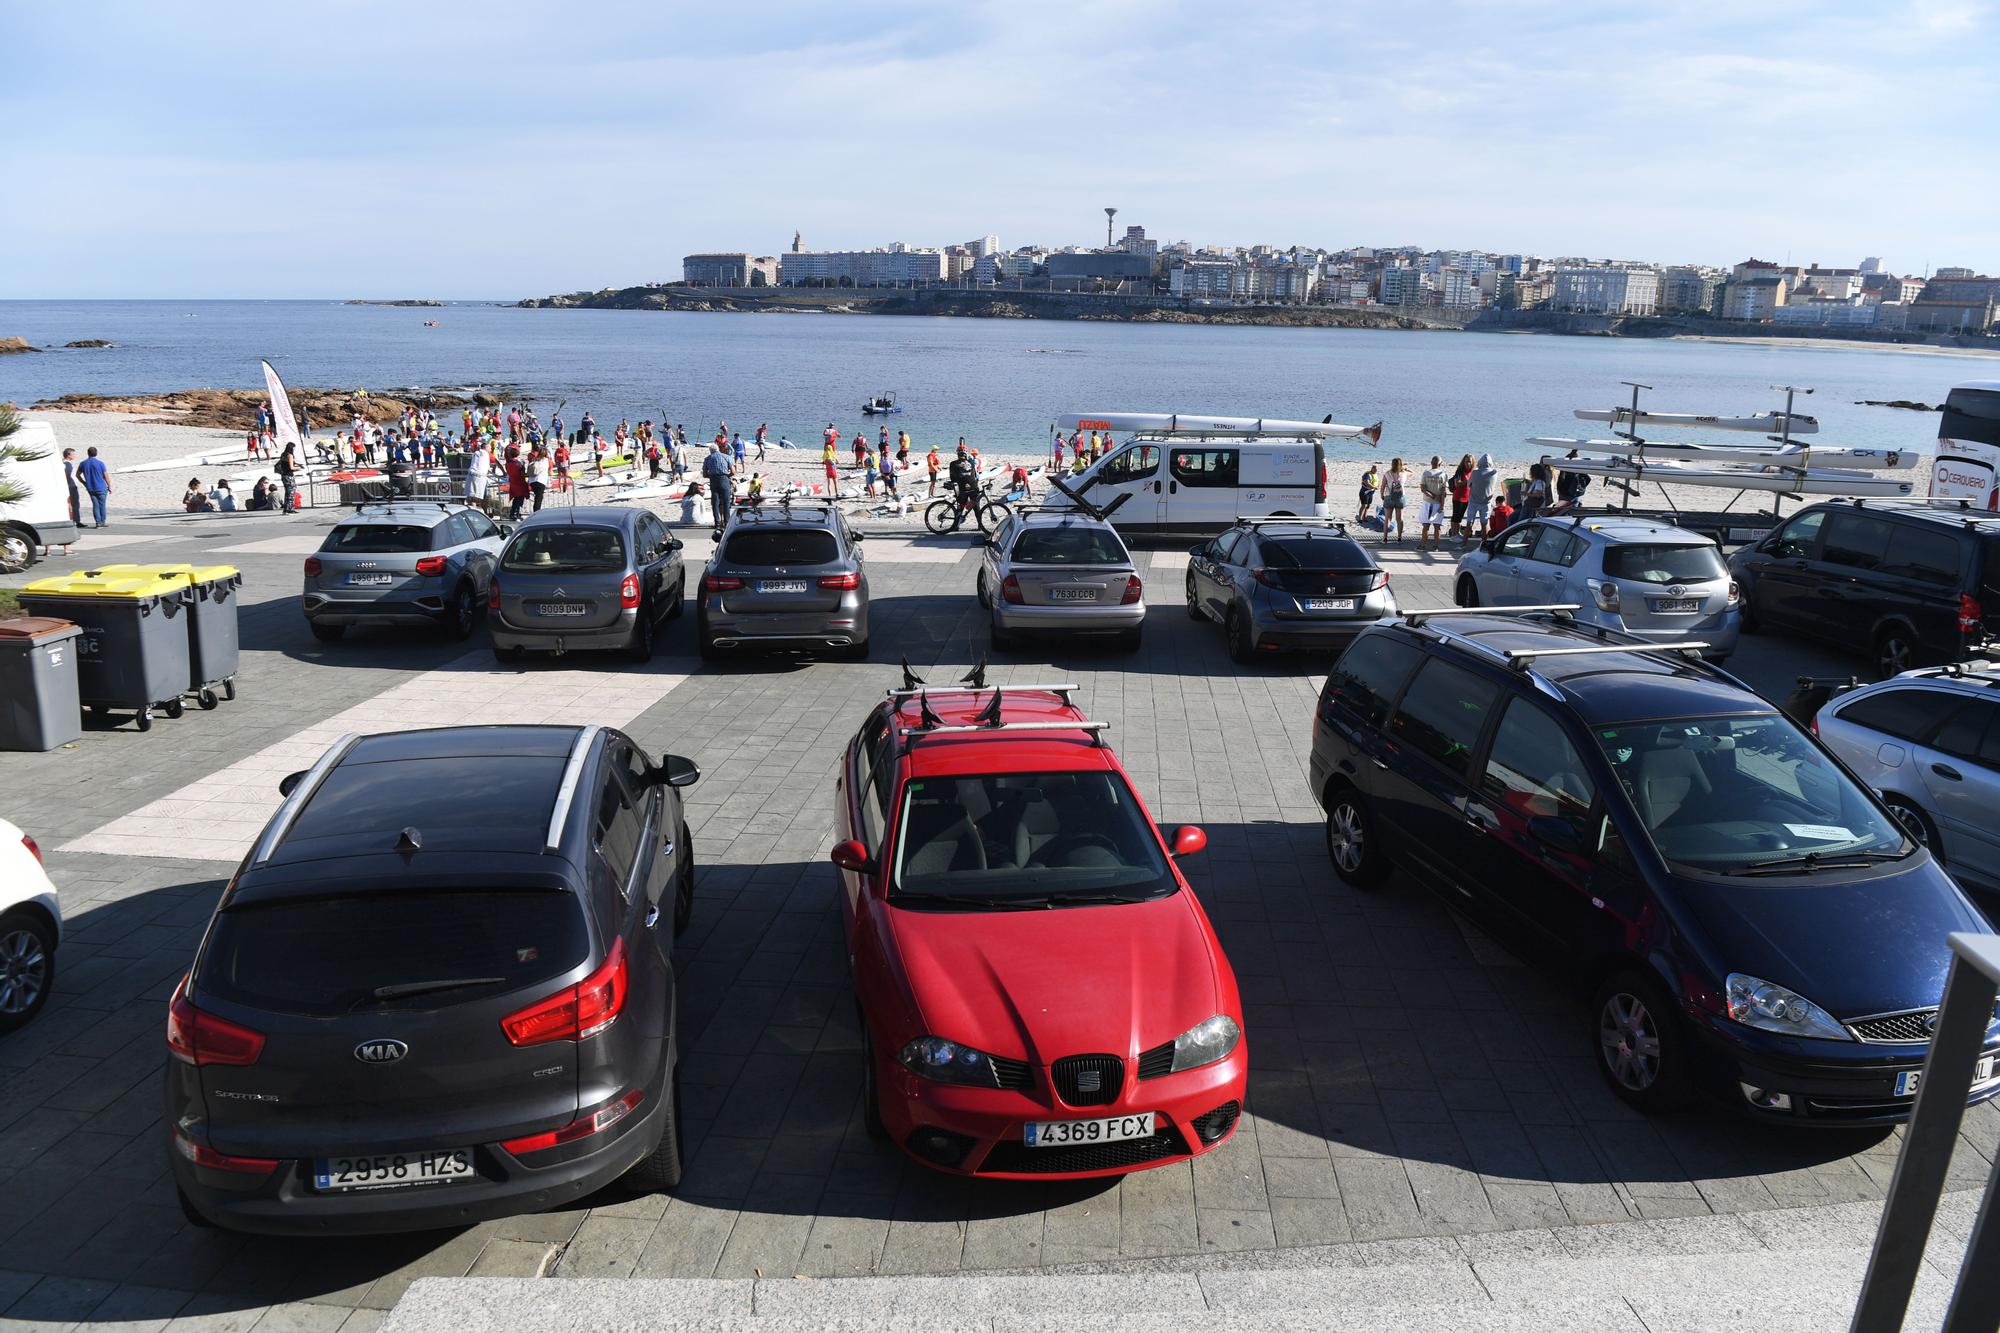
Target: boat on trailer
1780,480
1765,423
1672,451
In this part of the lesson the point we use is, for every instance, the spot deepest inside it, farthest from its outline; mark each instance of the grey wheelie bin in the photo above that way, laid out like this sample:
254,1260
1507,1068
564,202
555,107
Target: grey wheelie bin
39,709
211,623
133,653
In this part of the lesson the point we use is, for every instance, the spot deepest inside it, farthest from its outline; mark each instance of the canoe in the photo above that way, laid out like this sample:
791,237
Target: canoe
1181,423
1794,456
1791,481
1764,423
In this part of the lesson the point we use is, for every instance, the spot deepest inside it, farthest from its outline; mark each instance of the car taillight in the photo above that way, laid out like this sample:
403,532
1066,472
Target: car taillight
1265,577
720,583
1133,590
430,565
312,566
34,849
204,1039
1381,581
628,592
574,1012
1969,614
1607,596
580,1128
1735,593
841,582
201,1155
1010,590
493,595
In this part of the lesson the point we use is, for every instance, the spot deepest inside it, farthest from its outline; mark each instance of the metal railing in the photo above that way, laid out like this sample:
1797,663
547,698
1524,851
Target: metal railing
1918,1184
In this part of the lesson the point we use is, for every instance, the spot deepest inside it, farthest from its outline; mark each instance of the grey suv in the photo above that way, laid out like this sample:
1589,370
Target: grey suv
1059,571
1644,577
1279,583
594,577
786,575
407,562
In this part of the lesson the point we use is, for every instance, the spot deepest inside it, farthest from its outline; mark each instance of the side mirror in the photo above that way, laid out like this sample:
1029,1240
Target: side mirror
290,782
857,536
673,543
1556,832
852,856
1188,839
676,771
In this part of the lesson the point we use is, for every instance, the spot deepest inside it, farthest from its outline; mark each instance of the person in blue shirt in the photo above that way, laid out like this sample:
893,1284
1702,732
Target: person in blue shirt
96,479
721,485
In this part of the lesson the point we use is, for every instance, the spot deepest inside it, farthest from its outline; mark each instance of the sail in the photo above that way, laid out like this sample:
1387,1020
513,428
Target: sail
284,424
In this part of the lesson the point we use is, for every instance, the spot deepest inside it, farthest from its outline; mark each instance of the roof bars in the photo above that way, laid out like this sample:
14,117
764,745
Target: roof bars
907,692
572,774
1328,520
1522,658
914,734
289,811
1414,618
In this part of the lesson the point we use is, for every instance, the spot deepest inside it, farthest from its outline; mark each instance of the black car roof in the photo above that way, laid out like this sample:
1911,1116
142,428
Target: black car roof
609,516
1959,516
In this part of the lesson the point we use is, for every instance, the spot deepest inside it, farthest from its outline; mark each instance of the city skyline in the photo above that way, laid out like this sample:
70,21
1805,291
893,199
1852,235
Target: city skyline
509,152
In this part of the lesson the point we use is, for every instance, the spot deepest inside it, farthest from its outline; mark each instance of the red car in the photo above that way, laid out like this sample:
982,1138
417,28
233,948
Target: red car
1041,994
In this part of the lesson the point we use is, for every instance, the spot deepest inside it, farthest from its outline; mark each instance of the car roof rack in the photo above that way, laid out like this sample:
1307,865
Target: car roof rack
1304,520
281,823
1523,658
987,721
420,501
579,751
1061,690
1415,618
1958,507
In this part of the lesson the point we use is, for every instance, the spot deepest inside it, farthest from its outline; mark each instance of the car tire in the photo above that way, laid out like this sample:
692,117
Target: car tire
640,650
1894,652
979,593
27,966
1916,822
464,614
17,550
660,1170
1467,591
326,633
871,1090
1640,1044
1237,629
1193,601
678,606
1351,844
507,655
684,885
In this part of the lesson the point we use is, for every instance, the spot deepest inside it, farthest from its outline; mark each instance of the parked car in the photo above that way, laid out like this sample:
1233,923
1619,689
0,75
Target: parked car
594,577
1749,921
1277,584
402,562
439,989
1650,579
30,929
1908,584
1040,993
785,575
1928,741
1050,571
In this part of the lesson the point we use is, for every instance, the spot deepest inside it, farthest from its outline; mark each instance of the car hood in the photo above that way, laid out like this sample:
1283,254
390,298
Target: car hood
1873,944
1041,985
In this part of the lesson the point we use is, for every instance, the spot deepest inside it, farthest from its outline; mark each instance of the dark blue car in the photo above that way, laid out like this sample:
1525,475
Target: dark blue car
1750,922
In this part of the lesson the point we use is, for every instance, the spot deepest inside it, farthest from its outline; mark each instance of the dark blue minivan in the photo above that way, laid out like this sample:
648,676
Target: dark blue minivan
1751,923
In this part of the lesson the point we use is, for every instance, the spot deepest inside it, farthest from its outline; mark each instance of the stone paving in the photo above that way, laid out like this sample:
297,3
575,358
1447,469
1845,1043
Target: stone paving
1409,1078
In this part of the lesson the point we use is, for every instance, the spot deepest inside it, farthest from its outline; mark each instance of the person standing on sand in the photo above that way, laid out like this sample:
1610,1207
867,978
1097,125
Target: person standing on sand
763,438
69,484
478,464
1371,480
517,483
287,468
1431,523
1393,482
538,476
931,461
1461,496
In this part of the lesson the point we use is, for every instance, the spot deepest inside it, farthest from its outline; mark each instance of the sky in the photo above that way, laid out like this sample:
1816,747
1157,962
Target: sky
451,149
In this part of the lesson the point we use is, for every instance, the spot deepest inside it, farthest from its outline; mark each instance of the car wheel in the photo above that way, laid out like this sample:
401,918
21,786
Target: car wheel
507,655
1467,592
464,613
1350,841
1193,601
871,1091
661,1170
678,606
641,648
17,552
1640,1049
1915,823
327,633
1746,611
1895,651
1237,628
27,967
684,885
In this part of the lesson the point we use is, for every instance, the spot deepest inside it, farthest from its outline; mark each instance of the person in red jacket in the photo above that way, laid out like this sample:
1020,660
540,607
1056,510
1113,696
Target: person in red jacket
517,482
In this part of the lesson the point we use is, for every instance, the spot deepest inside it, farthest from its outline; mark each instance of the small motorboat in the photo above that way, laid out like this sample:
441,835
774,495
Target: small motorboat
881,405
430,323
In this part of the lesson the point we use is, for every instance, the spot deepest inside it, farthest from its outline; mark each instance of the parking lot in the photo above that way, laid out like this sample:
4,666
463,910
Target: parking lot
1409,1078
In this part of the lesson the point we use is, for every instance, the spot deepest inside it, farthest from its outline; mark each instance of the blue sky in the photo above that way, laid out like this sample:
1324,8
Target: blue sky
504,149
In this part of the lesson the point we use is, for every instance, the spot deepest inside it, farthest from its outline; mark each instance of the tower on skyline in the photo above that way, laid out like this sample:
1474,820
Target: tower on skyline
1109,214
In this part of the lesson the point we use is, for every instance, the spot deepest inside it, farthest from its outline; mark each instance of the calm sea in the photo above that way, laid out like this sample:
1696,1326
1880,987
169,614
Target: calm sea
997,382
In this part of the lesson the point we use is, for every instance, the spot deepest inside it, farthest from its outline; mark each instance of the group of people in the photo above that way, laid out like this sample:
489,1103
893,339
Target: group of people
1082,450
1461,505
220,499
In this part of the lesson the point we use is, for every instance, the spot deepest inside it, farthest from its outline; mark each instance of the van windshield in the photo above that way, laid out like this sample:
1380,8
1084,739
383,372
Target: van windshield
1746,795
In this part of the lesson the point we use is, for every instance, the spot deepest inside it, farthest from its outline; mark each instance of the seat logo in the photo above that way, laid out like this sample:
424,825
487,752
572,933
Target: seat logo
1089,1080
381,1051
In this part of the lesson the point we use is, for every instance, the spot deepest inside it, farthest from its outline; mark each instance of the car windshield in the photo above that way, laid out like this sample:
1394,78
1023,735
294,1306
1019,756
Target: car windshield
377,539
1745,795
1069,546
1646,563
1005,840
1314,552
781,546
563,549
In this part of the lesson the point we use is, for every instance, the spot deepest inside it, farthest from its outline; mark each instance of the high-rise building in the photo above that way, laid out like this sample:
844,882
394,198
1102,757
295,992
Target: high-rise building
1401,286
728,270
896,266
1871,265
1754,297
1607,289
1689,289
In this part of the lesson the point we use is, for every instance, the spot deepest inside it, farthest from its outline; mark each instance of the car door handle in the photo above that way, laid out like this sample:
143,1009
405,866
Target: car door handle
652,917
1947,771
667,847
1378,761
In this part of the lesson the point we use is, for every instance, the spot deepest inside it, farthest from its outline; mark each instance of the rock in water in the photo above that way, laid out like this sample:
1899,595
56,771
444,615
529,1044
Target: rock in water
90,342
16,345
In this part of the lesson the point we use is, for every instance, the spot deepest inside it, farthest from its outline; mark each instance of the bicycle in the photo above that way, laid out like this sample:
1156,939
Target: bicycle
948,513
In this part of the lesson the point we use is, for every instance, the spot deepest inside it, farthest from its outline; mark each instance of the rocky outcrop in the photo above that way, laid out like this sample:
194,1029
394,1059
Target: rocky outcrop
90,342
236,409
9,345
404,304
1896,402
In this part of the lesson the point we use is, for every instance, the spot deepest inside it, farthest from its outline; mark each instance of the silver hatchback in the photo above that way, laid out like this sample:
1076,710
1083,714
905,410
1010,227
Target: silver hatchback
1638,575
1058,571
596,577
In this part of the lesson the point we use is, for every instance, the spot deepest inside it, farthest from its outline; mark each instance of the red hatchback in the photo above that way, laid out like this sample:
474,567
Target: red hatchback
1041,994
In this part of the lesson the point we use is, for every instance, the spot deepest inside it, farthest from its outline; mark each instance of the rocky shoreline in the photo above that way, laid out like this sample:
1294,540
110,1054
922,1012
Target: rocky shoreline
234,409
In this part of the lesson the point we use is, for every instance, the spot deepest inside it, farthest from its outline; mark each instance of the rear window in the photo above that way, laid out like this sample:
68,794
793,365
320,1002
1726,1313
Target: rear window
565,550
1924,555
1907,714
1313,553
333,955
781,546
1642,563
1069,546
377,539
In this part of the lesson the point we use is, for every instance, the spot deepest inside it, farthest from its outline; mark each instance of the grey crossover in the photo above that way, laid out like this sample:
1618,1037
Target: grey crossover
1058,571
596,577
402,562
1289,583
785,575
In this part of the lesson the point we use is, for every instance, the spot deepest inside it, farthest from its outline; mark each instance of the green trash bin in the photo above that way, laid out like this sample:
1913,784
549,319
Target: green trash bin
212,629
38,702
133,653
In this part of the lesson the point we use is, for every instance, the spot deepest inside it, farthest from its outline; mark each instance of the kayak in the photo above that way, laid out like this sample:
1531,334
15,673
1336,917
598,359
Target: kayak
1793,456
1790,480
1765,423
1180,423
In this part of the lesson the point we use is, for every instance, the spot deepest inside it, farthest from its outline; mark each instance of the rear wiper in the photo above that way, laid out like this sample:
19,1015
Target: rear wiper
1811,861
403,988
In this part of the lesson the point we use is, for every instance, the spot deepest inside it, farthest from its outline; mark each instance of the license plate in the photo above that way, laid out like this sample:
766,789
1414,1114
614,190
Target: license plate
1064,1133
1072,594
781,585
1677,604
561,609
1906,1082
394,1170
1330,604
367,580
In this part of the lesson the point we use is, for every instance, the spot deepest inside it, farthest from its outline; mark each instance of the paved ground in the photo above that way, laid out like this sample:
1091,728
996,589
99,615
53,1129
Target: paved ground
1409,1079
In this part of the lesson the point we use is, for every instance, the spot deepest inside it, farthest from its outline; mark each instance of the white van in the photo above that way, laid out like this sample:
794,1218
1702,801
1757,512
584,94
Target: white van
42,518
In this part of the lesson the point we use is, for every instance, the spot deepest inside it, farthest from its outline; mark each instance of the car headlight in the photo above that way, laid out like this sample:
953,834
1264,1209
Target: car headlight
1757,1003
944,1061
1206,1042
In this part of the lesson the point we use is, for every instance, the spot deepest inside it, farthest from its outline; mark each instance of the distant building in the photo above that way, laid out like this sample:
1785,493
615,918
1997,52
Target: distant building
1974,316
1854,314
1135,242
1401,286
1951,271
1688,289
1959,285
1458,289
1753,298
895,266
729,270
1210,278
1871,265
1078,268
1607,290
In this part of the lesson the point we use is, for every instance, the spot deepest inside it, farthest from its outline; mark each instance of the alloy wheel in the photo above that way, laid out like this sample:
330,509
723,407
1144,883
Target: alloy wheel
1629,1041
1344,837
24,971
16,554
1892,655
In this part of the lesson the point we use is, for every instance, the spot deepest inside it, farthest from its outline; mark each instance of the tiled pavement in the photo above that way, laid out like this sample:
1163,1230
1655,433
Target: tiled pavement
1409,1078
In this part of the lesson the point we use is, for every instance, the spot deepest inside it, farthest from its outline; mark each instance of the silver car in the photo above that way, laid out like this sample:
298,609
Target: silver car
592,577
1929,742
785,575
1633,574
1054,571
402,562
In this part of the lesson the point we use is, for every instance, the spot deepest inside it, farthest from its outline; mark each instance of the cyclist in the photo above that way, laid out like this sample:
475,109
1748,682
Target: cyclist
965,478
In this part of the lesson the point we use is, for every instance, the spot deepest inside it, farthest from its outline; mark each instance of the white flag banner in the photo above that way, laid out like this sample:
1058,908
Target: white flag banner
284,424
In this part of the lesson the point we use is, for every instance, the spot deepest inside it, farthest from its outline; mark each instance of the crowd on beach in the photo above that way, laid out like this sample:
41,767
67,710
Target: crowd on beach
1461,505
